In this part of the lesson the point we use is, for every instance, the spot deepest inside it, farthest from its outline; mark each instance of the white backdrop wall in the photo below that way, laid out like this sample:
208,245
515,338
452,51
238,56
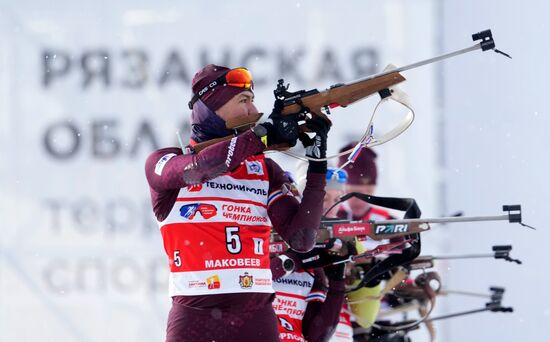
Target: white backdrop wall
87,90
496,124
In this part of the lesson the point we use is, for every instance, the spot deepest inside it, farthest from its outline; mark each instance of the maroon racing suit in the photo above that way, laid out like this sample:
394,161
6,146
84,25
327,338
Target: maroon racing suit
322,302
231,316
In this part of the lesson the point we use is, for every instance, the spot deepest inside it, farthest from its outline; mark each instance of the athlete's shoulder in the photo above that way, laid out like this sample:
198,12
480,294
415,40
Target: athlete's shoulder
272,166
156,160
164,151
275,172
167,153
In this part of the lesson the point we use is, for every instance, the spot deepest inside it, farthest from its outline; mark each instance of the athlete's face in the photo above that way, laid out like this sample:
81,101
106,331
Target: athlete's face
357,206
241,104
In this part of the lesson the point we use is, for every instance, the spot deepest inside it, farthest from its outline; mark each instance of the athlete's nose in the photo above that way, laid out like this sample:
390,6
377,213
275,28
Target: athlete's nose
252,109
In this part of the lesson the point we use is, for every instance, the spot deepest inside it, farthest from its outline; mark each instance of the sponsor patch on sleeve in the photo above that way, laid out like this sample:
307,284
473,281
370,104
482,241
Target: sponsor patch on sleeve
254,168
162,161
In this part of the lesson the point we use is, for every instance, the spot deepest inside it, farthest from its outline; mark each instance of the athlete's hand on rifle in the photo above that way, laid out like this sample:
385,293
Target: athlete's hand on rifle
280,129
322,255
336,272
316,145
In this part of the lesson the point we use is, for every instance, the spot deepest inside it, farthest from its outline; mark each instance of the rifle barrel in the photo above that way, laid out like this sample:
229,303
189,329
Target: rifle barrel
421,63
466,256
464,313
464,293
446,219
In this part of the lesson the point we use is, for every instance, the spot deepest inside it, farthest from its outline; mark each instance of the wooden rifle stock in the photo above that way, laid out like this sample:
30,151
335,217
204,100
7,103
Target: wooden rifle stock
340,94
337,95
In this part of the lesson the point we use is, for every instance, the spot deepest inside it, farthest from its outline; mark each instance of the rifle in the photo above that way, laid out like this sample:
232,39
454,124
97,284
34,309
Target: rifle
343,94
317,102
386,229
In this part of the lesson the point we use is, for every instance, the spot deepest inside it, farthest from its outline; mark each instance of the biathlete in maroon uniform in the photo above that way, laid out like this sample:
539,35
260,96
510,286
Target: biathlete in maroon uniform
308,301
215,210
294,293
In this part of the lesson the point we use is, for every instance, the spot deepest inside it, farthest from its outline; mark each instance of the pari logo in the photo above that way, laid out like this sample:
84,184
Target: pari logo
254,168
246,281
391,229
213,282
207,211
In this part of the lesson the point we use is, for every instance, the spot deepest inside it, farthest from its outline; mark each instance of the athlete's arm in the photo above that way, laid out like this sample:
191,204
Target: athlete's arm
169,169
296,222
322,317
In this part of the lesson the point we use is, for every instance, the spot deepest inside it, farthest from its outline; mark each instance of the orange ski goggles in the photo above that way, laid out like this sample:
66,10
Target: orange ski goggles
238,77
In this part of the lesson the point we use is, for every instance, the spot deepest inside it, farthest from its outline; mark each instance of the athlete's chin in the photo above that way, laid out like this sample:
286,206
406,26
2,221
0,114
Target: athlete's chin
358,210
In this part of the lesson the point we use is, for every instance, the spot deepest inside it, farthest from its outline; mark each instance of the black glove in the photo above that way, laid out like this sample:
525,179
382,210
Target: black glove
336,272
316,146
279,129
323,254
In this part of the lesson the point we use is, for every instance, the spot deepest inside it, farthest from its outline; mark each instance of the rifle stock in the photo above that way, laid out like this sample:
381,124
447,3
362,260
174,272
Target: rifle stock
337,95
341,94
